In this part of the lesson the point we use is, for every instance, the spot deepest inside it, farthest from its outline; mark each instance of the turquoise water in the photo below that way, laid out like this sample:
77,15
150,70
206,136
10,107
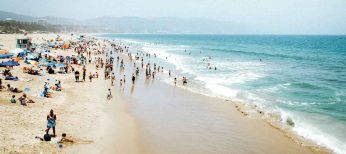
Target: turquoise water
302,78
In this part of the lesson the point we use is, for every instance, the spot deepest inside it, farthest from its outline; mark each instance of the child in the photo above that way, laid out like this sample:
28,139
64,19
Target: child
13,99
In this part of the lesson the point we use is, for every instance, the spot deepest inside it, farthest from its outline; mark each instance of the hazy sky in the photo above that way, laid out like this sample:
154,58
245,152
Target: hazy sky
278,16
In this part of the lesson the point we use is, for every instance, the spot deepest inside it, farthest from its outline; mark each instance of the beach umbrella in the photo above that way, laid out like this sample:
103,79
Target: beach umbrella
16,51
9,63
22,54
60,65
51,44
51,63
30,56
6,55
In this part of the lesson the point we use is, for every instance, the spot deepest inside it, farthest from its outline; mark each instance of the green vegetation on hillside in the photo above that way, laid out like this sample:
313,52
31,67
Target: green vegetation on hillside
12,26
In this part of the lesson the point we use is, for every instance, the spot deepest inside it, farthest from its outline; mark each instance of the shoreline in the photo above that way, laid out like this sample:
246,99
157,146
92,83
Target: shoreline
126,124
273,136
290,135
250,111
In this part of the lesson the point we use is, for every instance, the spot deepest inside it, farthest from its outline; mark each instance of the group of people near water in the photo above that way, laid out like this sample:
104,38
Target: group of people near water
116,55
151,69
105,56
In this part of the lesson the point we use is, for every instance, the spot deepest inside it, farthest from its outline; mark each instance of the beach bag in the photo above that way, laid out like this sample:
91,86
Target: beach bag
47,137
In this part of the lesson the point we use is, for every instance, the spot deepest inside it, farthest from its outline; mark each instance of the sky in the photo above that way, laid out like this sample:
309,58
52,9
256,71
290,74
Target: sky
276,16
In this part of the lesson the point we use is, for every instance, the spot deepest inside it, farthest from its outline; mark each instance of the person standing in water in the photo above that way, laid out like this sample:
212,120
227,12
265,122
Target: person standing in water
51,118
133,78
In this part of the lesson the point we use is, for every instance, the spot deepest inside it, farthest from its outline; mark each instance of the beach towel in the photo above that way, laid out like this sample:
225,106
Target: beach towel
14,78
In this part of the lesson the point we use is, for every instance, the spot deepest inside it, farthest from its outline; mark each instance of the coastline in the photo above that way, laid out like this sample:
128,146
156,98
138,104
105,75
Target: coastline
152,117
207,125
148,94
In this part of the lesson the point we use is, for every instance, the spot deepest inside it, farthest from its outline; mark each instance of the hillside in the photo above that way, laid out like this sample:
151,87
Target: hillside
130,24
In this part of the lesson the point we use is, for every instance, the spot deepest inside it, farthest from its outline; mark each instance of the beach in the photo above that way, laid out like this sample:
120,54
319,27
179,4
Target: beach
146,117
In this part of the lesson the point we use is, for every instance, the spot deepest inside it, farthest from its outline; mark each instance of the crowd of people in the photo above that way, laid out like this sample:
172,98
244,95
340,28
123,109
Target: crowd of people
112,58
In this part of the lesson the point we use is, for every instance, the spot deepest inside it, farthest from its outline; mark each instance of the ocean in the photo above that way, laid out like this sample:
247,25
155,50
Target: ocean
293,79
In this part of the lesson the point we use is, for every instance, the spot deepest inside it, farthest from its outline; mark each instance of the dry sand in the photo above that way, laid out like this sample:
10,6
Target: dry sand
82,112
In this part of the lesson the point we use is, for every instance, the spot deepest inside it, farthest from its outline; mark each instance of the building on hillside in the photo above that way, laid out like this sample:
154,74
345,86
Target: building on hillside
9,19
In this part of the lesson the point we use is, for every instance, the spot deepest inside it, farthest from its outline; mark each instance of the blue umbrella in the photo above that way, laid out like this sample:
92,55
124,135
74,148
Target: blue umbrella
6,55
9,63
60,65
51,44
51,63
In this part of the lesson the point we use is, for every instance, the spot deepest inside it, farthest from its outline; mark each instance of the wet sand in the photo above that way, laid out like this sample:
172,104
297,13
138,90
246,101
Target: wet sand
150,117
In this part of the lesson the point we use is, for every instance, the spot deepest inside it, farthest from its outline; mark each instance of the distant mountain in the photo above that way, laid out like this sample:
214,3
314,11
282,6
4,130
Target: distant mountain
130,24
5,15
60,21
49,19
165,25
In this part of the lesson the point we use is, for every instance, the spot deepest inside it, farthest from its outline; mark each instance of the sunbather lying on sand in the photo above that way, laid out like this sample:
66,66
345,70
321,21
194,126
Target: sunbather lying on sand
30,71
13,89
65,139
8,77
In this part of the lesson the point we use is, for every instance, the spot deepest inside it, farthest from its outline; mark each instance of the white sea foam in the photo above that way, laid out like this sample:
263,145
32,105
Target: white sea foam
306,128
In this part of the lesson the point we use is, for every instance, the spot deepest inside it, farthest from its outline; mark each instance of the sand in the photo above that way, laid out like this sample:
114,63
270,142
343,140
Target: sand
82,112
150,117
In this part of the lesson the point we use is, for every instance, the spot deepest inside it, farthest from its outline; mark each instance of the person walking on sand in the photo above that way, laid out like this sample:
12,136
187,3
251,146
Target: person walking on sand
109,96
112,79
90,77
76,75
84,73
51,118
